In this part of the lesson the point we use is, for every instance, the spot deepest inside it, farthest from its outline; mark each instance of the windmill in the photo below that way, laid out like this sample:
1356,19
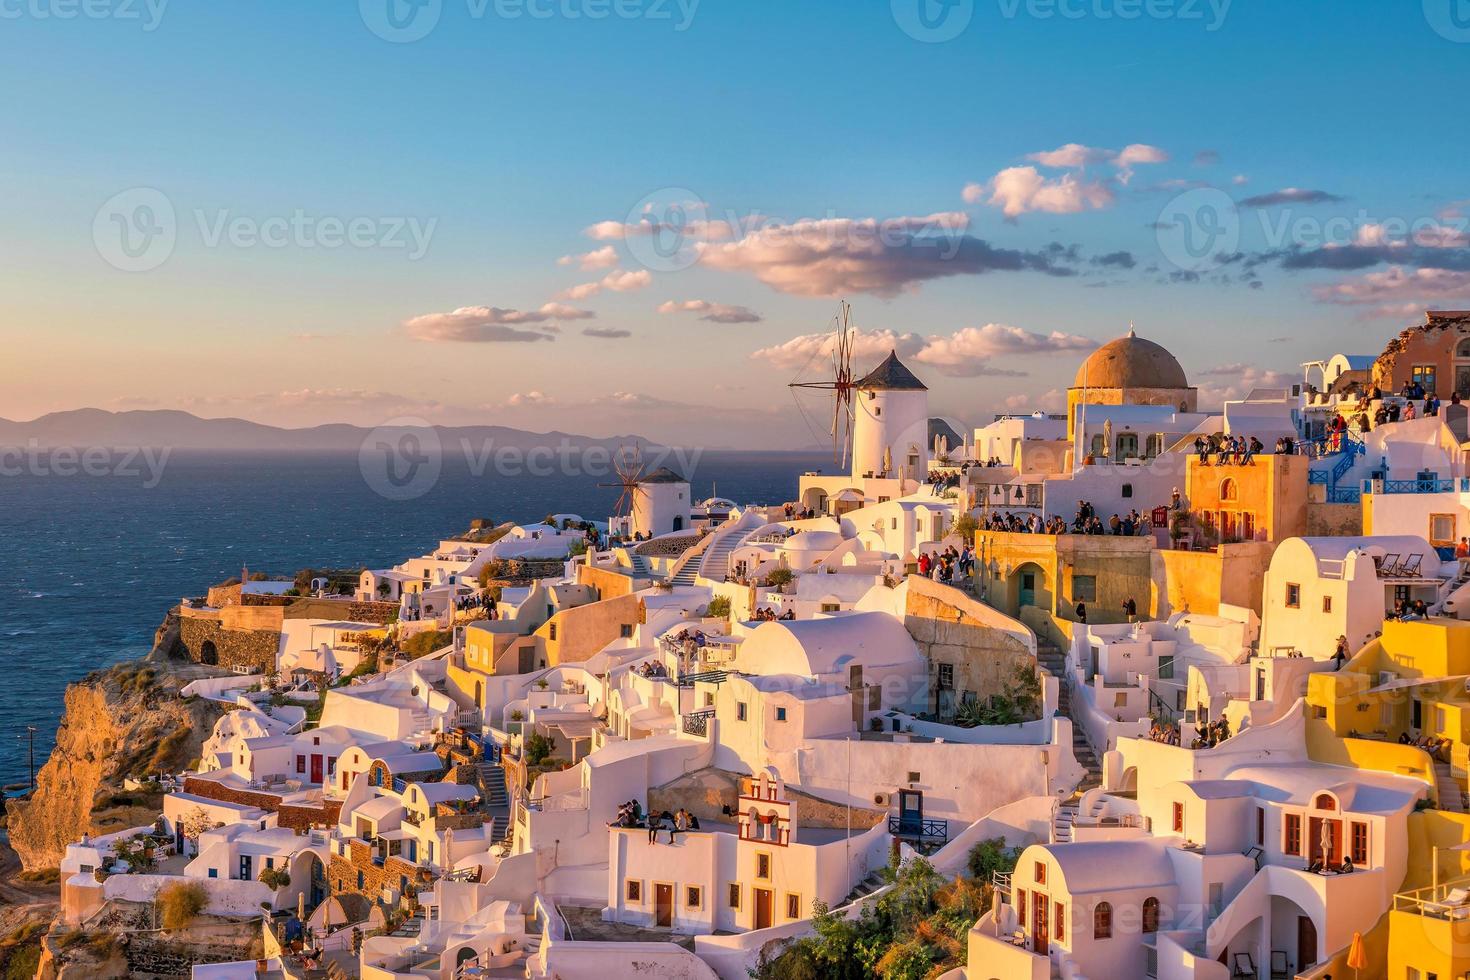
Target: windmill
628,464
840,383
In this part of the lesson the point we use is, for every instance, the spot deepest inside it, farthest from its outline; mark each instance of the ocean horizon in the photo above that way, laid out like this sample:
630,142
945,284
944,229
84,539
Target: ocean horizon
93,562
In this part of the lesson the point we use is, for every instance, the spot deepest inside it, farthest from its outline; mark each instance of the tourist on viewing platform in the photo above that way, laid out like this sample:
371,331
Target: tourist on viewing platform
1130,610
1462,550
1341,654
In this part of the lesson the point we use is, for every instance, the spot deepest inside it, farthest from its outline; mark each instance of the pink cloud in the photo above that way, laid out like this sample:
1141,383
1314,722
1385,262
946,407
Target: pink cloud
1017,190
714,312
492,324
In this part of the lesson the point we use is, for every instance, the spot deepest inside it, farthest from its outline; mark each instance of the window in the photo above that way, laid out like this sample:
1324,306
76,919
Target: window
1360,843
733,898
214,872
793,906
300,764
1150,914
1021,904
1441,529
763,866
1424,374
1084,587
1261,826
1327,603
1039,872
1166,667
1059,923
693,897
1293,596
626,630
780,714
1324,802
709,699
739,710
831,607
551,631
1178,818
270,862
1228,490
946,677
1120,700
633,890
360,881
1127,490
1102,921
913,777
1292,834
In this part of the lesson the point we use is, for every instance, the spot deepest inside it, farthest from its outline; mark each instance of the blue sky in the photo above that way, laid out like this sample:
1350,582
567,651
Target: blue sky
503,137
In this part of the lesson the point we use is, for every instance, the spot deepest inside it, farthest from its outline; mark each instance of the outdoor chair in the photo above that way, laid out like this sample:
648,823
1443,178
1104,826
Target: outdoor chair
1244,966
1387,563
1410,567
1279,968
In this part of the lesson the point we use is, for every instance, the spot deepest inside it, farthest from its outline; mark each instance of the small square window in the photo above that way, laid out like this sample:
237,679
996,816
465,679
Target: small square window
793,906
634,890
709,699
733,898
913,777
214,872
763,866
1293,596
626,630
946,677
780,714
1127,490
1039,872
693,896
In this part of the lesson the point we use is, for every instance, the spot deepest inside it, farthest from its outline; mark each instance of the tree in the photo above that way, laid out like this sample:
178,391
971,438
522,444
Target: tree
274,878
538,747
992,855
179,903
195,823
718,608
779,577
965,525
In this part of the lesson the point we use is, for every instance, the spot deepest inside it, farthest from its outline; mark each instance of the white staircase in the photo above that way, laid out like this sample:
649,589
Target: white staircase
715,563
1451,791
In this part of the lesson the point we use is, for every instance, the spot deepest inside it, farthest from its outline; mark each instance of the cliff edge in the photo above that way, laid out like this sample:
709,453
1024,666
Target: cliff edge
127,720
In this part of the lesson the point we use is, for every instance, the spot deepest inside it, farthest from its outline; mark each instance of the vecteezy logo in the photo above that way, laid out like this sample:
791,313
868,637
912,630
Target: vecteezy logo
664,227
400,21
1449,18
135,231
1197,226
401,459
932,21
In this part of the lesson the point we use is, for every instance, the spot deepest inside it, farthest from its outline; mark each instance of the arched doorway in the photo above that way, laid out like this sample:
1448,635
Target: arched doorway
678,524
208,653
1030,585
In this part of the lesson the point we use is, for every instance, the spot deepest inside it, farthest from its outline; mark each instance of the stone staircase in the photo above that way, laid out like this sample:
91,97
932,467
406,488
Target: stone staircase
686,574
1451,791
491,779
1051,657
866,887
640,564
715,562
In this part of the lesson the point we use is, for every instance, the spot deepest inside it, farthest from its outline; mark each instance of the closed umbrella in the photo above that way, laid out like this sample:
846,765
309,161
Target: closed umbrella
1357,957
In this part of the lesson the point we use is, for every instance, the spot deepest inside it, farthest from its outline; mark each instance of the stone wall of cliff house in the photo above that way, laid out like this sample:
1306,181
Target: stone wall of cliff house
207,641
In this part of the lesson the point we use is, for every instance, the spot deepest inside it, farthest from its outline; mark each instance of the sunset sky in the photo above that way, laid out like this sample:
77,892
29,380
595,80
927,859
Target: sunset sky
534,216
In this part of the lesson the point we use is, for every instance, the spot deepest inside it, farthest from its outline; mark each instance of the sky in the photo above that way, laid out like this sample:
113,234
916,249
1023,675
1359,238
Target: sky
615,216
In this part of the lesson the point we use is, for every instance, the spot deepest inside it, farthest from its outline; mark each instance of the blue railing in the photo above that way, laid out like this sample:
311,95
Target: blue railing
400,785
1420,486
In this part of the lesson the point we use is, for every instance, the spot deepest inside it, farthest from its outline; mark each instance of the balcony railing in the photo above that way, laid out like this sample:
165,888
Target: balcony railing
1427,485
924,831
697,722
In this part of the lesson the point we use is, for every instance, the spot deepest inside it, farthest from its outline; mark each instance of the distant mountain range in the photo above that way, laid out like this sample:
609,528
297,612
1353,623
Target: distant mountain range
86,427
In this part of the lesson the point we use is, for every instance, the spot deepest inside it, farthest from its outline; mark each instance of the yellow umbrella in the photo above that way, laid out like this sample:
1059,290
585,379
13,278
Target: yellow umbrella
1357,957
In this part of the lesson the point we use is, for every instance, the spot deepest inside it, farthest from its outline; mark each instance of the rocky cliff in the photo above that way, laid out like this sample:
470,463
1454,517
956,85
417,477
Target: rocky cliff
127,720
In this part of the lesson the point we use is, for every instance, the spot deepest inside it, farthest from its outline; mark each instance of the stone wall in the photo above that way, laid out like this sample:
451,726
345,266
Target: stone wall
342,872
706,792
982,659
1334,520
296,816
207,642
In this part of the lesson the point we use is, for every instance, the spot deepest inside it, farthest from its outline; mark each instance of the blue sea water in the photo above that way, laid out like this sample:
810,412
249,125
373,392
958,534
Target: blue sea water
89,564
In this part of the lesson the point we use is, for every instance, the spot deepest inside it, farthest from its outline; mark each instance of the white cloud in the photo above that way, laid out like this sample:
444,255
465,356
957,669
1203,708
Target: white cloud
619,281
1017,190
1052,400
529,399
492,324
599,258
714,312
869,347
1397,287
969,352
1238,380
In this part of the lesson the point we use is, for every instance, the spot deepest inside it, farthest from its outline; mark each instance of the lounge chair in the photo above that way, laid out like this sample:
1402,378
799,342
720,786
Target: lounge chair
1280,970
1410,566
1387,564
1244,966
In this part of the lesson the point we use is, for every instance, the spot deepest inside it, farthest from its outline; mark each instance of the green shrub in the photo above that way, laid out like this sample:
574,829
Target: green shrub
719,607
425,643
780,577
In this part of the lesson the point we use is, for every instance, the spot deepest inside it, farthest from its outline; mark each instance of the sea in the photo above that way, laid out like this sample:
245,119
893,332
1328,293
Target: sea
91,558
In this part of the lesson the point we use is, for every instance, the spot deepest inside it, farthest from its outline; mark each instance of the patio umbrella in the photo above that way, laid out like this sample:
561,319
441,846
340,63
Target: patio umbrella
1357,957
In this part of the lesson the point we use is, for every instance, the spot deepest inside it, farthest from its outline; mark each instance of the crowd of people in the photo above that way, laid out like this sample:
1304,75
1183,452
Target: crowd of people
630,815
941,481
1234,450
1086,521
1439,748
942,566
477,600
765,615
1207,736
